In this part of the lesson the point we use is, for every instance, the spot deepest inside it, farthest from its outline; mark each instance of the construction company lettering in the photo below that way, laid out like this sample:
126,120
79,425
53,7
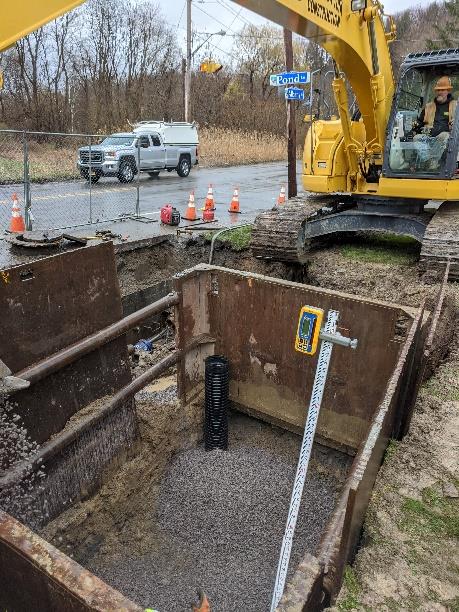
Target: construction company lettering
330,11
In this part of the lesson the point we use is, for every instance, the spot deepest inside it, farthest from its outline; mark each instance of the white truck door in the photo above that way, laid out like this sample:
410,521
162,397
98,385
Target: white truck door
172,155
146,153
159,151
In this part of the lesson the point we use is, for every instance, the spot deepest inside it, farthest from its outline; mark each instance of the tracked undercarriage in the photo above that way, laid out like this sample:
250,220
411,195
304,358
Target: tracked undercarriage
287,233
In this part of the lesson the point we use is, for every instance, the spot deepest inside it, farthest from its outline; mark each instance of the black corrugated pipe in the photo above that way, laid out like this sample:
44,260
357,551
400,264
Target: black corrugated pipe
216,403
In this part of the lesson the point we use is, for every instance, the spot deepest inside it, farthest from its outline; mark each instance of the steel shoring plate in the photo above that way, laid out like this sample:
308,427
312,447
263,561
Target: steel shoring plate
50,304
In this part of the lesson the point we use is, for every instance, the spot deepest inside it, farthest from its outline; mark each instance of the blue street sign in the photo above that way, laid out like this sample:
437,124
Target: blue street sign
294,93
289,78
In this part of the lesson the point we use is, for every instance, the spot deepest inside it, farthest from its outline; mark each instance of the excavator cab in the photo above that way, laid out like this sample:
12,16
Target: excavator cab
415,148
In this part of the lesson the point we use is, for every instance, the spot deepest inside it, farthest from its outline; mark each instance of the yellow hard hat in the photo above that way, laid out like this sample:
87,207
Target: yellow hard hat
444,82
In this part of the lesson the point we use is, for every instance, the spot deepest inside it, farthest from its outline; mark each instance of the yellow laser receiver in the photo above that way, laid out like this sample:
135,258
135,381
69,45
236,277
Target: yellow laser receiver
309,326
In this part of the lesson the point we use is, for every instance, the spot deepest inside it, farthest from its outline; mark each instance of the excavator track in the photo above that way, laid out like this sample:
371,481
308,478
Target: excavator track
441,240
277,232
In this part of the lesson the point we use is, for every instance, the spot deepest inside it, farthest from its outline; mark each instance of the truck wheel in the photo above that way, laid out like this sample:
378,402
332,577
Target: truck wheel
126,172
184,167
154,174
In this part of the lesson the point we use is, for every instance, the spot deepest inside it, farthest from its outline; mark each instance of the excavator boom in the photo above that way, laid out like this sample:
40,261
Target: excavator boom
22,17
357,41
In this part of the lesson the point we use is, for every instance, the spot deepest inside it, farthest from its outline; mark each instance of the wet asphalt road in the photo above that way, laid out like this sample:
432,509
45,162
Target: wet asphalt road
71,203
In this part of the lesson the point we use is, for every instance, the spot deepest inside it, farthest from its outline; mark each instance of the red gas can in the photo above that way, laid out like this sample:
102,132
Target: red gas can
208,215
170,215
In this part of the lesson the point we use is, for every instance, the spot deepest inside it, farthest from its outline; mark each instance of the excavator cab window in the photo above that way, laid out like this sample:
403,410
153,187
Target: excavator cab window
423,132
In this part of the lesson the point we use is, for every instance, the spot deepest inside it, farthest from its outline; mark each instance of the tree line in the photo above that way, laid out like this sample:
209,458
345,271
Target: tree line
108,64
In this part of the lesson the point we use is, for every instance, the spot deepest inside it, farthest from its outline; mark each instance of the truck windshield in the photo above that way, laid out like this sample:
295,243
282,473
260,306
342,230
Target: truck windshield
118,141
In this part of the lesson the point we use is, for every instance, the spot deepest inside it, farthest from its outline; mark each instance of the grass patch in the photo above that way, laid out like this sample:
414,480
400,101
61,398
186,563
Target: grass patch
11,171
224,147
353,589
391,449
238,238
382,248
377,255
43,168
433,516
445,384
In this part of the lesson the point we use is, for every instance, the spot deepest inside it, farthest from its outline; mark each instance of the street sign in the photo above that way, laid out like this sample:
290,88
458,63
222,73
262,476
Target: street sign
294,93
289,78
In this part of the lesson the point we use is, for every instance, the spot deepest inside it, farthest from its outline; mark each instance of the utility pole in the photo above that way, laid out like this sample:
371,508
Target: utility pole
183,85
291,125
188,62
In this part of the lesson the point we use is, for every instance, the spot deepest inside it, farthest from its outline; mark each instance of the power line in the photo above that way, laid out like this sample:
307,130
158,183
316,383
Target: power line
236,16
232,10
214,18
222,50
181,15
256,36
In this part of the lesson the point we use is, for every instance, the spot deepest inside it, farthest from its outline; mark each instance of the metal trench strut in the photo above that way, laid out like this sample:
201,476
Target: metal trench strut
328,337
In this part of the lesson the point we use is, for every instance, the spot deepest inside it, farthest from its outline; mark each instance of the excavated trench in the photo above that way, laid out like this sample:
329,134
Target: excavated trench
177,518
163,518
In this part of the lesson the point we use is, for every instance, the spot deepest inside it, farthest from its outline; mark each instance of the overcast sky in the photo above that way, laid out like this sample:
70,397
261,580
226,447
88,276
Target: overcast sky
215,15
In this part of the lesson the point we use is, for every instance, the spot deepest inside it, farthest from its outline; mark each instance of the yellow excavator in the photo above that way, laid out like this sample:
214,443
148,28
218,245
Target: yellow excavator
379,167
375,170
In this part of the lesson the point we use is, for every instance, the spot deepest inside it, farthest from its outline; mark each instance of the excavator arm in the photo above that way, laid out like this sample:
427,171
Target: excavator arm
358,43
21,17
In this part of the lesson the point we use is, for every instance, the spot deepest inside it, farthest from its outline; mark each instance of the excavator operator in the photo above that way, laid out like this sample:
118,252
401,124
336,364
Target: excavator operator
434,124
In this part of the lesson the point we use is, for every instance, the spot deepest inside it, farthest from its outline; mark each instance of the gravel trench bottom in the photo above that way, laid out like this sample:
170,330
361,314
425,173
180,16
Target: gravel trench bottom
219,521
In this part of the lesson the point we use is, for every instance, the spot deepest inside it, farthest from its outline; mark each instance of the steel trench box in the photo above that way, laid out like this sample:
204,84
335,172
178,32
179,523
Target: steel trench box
252,318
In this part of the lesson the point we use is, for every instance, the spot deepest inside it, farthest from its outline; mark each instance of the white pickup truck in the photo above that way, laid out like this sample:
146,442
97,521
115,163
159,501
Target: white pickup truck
152,146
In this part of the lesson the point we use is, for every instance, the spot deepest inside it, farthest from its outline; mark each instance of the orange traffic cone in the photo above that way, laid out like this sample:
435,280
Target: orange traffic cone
190,214
17,224
234,206
209,204
281,198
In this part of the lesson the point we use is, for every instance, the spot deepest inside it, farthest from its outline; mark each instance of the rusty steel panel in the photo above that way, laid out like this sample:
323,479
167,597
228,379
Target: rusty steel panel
339,542
51,303
192,319
255,318
34,575
46,306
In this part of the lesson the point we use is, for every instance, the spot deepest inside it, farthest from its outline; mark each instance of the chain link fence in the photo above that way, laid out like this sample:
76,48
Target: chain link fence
55,192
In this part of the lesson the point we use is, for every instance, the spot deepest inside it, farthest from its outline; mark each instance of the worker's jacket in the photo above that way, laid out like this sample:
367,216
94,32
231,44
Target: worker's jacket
431,110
